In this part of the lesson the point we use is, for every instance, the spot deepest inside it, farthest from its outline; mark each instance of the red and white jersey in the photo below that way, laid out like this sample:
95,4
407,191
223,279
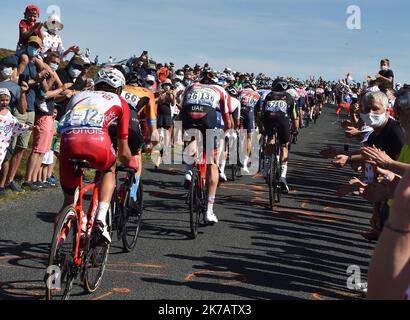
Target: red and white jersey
207,95
235,105
96,110
248,98
9,128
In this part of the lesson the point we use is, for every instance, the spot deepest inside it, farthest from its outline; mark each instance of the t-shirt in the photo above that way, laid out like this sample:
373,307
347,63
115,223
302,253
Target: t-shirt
387,73
52,42
31,72
9,128
15,93
79,85
27,25
391,139
55,138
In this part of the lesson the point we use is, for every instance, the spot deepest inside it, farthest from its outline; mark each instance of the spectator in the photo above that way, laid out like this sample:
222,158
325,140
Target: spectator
35,79
44,127
72,77
163,72
29,27
52,41
10,127
385,74
46,175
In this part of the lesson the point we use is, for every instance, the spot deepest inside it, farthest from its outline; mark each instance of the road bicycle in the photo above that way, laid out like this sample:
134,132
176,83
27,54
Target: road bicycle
77,251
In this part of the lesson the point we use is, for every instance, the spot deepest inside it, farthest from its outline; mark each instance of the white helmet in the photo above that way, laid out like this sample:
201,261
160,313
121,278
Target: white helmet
110,76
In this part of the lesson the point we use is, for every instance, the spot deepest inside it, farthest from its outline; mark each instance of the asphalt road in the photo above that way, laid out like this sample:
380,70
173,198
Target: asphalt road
299,251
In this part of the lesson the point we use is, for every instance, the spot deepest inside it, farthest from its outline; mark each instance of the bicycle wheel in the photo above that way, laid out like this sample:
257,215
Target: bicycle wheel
61,258
132,219
96,259
194,204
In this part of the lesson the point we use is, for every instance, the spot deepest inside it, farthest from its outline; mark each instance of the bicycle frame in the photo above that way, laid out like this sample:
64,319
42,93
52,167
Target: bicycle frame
79,195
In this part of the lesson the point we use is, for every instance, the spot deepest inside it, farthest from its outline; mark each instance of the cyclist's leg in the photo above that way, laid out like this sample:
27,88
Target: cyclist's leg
283,137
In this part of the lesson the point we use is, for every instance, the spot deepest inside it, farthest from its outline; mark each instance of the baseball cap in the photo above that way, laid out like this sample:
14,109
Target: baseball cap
32,7
150,78
35,39
5,92
10,61
77,61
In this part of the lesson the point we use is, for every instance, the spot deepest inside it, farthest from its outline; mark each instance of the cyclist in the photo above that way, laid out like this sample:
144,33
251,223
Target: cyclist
84,130
311,91
275,112
235,114
248,98
142,105
205,107
320,96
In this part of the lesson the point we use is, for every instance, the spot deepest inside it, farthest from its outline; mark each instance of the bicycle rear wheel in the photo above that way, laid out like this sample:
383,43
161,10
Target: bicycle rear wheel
272,182
96,259
194,204
61,271
132,223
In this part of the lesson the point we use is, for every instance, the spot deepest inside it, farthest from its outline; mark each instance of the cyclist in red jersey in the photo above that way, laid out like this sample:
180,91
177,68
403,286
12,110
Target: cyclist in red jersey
85,136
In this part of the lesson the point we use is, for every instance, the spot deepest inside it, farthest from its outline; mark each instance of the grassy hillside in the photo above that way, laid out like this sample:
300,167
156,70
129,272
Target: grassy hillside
5,53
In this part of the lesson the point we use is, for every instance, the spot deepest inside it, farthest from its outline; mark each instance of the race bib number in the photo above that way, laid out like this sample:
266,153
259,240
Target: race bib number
201,96
249,101
86,116
277,106
131,99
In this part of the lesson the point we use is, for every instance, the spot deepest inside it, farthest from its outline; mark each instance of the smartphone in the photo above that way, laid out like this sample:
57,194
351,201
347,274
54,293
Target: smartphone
23,78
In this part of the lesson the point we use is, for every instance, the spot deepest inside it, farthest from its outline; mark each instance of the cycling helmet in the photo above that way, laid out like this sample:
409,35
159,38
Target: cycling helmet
232,91
249,85
279,84
111,76
209,76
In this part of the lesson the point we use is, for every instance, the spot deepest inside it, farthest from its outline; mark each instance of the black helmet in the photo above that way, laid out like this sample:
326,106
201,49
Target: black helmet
134,78
209,76
279,84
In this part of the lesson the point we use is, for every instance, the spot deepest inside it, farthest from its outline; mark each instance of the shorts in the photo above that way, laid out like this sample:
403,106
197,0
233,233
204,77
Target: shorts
248,116
135,136
280,121
201,118
301,104
43,134
9,154
164,118
48,158
312,102
91,145
23,140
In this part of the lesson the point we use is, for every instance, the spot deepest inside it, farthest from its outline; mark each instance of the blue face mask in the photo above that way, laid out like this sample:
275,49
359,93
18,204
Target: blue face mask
32,52
54,66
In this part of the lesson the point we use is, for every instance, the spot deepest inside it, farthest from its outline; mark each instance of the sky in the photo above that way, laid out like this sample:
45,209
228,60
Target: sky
299,38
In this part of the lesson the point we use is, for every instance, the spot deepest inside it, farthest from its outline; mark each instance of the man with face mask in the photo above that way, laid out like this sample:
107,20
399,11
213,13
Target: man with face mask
8,68
70,77
388,135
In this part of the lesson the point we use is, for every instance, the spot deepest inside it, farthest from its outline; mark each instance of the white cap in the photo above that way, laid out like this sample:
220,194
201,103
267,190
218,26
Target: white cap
54,22
150,78
5,92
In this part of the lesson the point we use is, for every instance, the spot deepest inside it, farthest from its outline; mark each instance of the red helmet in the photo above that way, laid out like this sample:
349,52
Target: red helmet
32,8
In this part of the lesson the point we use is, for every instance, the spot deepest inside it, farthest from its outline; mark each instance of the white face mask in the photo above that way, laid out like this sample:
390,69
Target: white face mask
74,73
385,68
7,72
373,120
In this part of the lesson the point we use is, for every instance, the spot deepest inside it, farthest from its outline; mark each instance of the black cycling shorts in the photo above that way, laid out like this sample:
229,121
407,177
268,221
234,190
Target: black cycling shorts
135,137
280,121
202,118
164,118
248,116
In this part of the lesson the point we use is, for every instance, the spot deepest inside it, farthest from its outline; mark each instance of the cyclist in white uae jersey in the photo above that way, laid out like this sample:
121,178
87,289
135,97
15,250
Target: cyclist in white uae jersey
206,107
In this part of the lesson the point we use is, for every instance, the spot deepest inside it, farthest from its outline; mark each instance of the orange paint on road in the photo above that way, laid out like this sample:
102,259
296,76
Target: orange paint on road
196,274
114,290
136,264
137,272
103,296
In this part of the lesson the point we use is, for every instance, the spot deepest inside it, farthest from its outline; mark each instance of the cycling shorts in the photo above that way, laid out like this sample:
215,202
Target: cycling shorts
280,121
135,136
248,116
91,145
301,104
201,118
